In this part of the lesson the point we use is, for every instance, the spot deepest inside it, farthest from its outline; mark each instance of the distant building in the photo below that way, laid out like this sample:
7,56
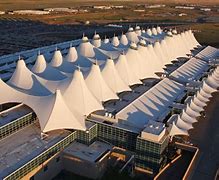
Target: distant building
33,12
139,10
68,10
184,7
118,7
182,14
2,12
205,9
102,7
155,6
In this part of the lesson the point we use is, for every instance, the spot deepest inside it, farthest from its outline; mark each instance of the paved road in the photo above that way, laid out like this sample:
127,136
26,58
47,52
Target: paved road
206,136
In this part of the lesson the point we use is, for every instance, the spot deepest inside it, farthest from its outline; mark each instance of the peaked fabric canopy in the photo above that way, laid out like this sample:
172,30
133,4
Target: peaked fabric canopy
51,117
132,36
96,40
126,73
72,55
183,125
86,48
58,88
44,70
112,78
77,95
24,80
151,66
115,41
57,59
174,130
134,61
124,40
98,86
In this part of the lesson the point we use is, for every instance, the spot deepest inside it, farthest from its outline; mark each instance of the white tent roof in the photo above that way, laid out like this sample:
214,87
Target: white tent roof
183,125
204,93
106,40
77,95
177,131
149,32
198,102
24,80
151,66
57,59
96,40
138,30
126,73
136,62
132,36
83,62
155,58
166,52
191,112
86,48
112,78
98,86
212,82
187,118
160,54
49,109
44,70
201,98
71,120
154,31
159,30
115,41
124,40
72,55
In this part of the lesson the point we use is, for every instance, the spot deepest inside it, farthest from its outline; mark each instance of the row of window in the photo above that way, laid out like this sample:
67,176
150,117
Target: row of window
17,124
28,167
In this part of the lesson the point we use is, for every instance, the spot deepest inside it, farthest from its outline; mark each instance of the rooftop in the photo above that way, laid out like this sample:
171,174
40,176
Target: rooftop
90,153
13,113
154,127
22,146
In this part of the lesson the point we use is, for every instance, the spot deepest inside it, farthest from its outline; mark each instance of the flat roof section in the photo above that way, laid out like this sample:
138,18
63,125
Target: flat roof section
129,97
13,113
154,127
121,124
19,148
90,153
154,131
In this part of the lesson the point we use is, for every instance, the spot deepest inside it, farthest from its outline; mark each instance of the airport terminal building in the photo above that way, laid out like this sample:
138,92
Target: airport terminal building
87,104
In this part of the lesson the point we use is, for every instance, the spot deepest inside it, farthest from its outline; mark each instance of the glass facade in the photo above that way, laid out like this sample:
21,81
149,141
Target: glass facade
89,136
17,124
150,155
117,136
31,165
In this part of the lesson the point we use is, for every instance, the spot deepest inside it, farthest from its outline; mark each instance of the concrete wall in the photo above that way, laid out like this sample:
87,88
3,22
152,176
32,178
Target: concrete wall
84,168
49,170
